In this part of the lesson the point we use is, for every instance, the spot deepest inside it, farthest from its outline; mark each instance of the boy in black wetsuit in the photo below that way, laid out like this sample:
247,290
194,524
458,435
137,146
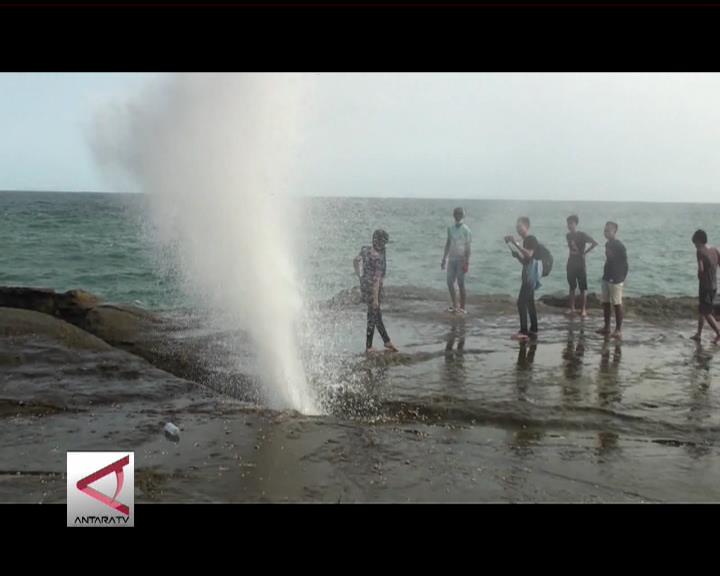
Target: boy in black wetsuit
576,272
371,285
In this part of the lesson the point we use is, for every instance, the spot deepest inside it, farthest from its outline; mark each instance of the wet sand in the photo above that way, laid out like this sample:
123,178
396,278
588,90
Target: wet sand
461,414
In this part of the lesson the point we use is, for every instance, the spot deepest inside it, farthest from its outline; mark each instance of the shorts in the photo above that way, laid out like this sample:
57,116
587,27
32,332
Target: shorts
577,277
612,293
456,271
707,301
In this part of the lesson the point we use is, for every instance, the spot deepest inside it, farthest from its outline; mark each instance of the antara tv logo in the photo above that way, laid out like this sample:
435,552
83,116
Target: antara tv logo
100,489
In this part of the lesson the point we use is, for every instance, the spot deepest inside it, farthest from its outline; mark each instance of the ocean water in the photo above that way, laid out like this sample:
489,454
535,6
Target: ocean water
102,243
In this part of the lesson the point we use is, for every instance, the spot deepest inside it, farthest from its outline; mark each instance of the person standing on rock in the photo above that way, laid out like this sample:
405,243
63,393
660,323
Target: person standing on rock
530,280
370,266
576,271
613,280
707,260
457,259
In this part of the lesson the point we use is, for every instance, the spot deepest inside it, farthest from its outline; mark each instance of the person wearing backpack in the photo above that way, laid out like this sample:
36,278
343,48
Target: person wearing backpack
529,254
373,263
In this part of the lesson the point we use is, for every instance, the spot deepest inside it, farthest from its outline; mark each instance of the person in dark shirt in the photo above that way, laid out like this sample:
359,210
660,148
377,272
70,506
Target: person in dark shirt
707,260
614,274
576,271
523,253
371,286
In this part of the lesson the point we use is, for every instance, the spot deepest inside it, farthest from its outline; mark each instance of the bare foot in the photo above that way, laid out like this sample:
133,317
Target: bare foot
617,335
570,312
390,347
584,314
604,331
461,311
697,337
371,351
521,337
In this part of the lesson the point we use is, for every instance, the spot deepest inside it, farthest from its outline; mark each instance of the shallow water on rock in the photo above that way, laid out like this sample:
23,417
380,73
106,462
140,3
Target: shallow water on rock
462,413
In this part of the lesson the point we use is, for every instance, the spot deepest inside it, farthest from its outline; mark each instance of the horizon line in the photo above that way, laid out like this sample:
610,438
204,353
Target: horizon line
493,199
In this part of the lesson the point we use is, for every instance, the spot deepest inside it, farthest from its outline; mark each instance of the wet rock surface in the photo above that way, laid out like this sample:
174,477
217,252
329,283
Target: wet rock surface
460,414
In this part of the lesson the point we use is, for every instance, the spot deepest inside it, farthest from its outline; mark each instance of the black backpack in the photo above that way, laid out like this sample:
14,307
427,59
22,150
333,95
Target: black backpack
543,254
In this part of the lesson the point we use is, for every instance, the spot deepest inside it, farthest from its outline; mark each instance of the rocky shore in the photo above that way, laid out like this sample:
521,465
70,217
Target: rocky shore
461,414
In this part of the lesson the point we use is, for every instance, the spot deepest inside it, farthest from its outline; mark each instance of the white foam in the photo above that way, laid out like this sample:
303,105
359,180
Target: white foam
214,155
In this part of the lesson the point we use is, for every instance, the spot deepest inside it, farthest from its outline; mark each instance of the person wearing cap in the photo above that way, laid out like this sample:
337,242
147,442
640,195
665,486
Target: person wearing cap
372,259
457,259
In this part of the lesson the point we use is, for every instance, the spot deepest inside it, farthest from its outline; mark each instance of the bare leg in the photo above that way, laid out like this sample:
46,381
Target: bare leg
584,303
451,287
606,316
713,324
452,278
571,302
618,321
698,335
460,275
461,286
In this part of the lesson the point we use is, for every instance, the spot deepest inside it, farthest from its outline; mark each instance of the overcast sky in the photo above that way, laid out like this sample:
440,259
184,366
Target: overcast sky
536,136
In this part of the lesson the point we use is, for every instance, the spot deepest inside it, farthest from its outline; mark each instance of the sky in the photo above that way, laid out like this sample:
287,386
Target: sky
44,119
643,137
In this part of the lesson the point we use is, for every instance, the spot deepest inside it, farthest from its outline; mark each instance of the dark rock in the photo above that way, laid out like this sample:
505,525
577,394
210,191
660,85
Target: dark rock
560,300
70,306
80,319
37,299
394,295
73,305
123,326
16,322
649,306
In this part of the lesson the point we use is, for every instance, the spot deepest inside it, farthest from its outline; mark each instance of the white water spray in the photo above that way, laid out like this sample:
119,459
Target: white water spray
213,154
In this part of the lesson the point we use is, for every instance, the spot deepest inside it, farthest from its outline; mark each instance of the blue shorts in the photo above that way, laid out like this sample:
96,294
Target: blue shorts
456,271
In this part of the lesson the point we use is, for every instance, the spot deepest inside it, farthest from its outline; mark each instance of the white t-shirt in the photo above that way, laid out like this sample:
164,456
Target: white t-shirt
460,238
